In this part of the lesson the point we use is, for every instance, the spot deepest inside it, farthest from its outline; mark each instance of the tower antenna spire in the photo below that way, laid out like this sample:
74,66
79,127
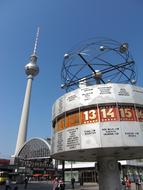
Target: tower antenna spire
36,40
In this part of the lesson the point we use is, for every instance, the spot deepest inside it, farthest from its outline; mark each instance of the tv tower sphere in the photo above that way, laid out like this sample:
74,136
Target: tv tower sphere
32,68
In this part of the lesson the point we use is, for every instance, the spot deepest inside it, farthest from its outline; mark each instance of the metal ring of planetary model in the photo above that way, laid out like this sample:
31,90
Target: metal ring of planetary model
99,60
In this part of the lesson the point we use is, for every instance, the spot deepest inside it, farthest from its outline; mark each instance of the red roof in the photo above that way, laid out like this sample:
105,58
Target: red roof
37,175
4,161
45,175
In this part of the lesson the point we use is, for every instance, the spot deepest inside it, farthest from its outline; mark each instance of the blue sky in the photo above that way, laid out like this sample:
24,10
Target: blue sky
63,24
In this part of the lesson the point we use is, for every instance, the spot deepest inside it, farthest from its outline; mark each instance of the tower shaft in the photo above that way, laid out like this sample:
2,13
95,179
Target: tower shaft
31,70
22,133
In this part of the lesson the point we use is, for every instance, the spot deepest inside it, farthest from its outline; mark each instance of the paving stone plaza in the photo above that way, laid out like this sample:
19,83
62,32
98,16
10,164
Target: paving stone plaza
48,186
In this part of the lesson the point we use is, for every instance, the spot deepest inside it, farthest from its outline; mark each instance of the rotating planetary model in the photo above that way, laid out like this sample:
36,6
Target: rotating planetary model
102,112
100,117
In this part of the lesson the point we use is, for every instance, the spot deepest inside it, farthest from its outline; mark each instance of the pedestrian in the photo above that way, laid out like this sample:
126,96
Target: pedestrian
25,182
55,183
8,184
72,182
127,183
124,183
138,183
61,184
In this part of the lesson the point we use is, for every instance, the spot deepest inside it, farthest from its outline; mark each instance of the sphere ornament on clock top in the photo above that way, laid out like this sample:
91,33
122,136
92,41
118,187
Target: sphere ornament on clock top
100,117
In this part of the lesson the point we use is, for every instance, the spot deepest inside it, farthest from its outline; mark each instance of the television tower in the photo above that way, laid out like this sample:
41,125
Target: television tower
31,70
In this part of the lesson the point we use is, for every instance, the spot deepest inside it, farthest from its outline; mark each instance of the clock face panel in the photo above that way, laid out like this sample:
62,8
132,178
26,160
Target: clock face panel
98,117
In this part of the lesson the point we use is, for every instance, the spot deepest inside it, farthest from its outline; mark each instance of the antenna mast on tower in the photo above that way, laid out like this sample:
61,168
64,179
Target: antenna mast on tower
36,40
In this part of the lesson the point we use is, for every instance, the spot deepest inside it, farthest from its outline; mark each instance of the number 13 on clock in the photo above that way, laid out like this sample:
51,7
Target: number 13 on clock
89,116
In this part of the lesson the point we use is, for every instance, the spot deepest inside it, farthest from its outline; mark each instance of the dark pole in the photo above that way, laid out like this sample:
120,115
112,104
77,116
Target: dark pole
63,170
95,73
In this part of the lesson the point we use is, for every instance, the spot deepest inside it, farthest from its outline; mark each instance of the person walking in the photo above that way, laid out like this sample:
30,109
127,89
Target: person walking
61,184
55,183
124,183
8,184
138,183
25,182
128,183
72,182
